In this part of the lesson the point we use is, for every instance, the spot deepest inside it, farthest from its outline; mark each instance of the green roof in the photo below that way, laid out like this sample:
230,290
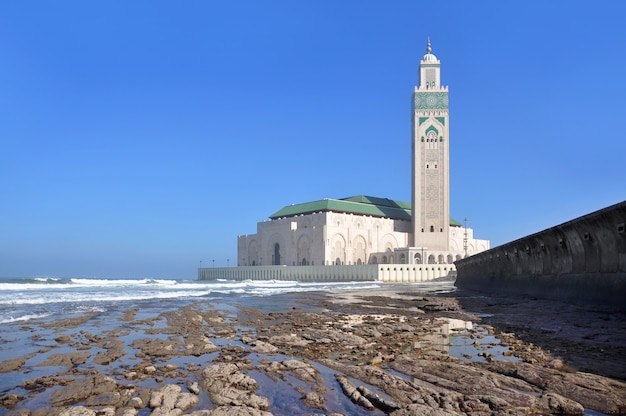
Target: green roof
360,205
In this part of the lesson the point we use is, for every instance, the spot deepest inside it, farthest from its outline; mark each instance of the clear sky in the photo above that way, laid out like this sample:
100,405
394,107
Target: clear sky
138,138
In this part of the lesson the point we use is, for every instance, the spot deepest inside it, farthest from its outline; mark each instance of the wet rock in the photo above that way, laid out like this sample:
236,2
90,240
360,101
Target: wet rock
379,359
170,399
259,346
290,340
158,347
70,359
494,403
77,411
114,350
126,411
45,382
105,399
349,390
560,405
231,411
131,375
402,390
326,336
10,401
589,390
301,370
170,367
227,385
421,410
313,400
136,403
193,387
14,364
19,412
386,406
198,345
82,389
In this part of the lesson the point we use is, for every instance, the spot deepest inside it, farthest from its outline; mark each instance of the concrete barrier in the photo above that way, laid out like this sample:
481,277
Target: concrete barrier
580,260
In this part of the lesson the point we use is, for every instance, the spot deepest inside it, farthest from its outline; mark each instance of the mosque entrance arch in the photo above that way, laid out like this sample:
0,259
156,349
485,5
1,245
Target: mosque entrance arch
276,255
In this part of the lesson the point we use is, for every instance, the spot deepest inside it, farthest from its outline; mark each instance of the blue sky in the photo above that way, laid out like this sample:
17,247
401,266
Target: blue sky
140,138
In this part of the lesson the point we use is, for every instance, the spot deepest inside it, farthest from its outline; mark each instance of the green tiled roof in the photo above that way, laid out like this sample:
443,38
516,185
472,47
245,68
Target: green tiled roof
360,205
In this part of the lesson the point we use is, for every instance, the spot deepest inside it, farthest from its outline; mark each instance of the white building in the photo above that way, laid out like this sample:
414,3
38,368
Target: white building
369,230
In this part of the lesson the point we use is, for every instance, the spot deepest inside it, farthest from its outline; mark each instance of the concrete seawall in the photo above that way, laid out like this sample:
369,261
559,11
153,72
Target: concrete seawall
580,260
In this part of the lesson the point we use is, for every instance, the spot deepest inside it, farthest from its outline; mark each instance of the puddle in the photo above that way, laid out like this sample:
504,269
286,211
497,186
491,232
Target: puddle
465,341
285,392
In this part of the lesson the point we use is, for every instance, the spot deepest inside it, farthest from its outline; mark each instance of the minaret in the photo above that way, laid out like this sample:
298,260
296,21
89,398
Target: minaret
430,199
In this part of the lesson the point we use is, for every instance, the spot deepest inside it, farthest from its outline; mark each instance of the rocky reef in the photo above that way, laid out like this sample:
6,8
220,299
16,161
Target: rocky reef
353,353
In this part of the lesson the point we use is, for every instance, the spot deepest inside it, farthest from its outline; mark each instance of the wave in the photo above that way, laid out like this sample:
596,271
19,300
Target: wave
122,282
26,317
106,290
48,282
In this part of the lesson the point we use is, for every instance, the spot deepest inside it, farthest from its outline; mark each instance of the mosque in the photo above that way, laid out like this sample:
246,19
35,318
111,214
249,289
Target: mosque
365,230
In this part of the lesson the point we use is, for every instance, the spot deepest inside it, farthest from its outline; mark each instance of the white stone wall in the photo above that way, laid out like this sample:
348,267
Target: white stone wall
323,238
428,255
358,239
329,238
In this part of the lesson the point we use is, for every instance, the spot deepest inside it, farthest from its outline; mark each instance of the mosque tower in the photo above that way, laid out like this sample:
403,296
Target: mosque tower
430,195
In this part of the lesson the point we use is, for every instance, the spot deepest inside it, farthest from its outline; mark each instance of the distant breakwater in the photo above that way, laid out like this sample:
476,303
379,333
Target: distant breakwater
581,260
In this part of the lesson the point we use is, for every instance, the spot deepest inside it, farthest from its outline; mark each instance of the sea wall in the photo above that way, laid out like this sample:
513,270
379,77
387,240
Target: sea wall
392,273
580,260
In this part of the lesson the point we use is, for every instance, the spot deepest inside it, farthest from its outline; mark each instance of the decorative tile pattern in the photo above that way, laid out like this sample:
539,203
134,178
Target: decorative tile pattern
430,100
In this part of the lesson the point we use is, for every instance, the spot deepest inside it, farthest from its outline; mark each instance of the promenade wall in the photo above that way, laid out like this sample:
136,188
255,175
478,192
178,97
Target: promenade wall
580,260
393,273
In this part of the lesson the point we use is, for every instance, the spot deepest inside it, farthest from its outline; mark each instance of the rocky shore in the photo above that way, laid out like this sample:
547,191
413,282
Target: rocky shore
352,353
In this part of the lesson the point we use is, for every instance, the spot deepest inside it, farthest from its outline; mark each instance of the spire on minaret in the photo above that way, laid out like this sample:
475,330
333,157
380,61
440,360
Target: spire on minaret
429,57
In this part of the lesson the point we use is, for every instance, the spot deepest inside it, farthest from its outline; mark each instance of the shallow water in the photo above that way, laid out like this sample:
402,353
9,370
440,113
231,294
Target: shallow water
25,335
38,298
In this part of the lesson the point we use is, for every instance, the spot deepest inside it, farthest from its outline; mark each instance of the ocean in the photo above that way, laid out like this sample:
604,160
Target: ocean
23,299
28,307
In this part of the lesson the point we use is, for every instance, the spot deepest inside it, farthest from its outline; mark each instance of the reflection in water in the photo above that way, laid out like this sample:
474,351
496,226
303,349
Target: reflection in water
460,339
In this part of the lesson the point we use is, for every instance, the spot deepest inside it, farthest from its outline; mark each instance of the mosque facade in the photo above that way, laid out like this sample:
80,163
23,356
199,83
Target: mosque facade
371,230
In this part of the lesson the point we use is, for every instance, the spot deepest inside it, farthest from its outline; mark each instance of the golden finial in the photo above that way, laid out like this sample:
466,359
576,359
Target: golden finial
428,49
